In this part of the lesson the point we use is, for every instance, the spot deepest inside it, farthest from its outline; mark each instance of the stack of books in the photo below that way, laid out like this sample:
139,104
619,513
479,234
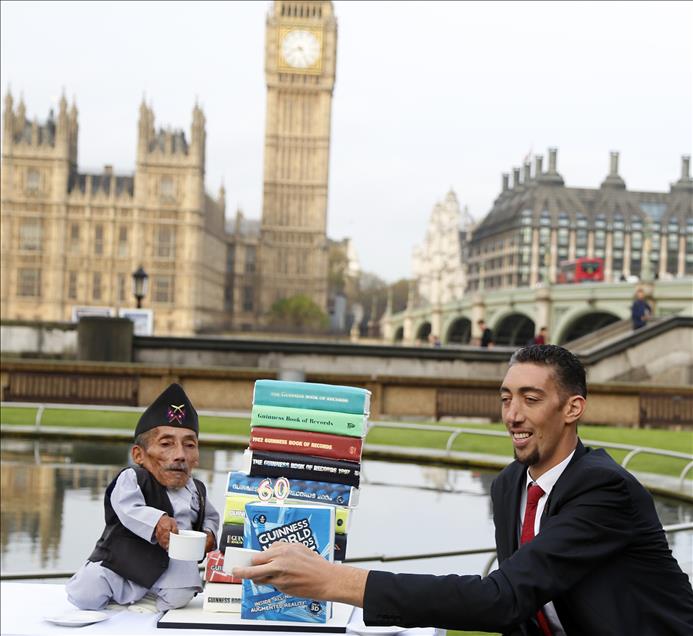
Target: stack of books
311,434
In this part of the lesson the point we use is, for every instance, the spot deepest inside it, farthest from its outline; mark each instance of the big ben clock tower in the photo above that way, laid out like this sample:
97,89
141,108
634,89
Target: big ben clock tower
300,58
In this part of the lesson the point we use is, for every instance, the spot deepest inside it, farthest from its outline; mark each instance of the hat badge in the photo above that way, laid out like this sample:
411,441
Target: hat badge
176,413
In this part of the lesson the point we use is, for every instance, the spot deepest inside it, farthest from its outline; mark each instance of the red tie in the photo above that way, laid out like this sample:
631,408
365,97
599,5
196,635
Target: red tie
534,494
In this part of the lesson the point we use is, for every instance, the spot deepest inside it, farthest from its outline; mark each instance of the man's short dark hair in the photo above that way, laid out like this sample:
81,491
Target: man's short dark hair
570,374
143,439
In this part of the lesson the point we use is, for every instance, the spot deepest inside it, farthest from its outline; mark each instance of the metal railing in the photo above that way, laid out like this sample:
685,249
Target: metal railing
454,432
383,558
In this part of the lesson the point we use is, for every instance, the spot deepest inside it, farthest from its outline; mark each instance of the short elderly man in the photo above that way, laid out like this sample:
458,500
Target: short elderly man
144,504
580,547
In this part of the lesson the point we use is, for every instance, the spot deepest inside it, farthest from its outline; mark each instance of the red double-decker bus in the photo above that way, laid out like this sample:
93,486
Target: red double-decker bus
581,270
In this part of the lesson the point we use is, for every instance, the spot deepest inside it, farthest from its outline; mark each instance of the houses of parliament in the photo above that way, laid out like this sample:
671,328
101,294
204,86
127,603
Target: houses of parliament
71,239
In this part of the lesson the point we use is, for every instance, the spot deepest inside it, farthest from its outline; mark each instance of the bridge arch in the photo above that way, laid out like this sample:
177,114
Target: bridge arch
423,331
584,322
513,329
458,331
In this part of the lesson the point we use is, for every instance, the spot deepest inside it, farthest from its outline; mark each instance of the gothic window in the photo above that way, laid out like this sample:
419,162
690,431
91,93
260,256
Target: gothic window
165,242
230,259
98,240
526,218
30,232
689,247
250,256
73,245
33,181
96,286
122,242
247,298
228,297
72,285
28,282
121,288
545,218
163,289
166,189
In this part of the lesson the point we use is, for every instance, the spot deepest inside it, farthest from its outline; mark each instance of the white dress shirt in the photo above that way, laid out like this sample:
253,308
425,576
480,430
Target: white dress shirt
547,481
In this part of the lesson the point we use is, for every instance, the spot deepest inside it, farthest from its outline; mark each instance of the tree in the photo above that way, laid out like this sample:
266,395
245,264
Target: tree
297,313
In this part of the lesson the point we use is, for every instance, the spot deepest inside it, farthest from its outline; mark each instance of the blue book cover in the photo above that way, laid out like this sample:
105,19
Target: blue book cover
310,395
305,491
267,523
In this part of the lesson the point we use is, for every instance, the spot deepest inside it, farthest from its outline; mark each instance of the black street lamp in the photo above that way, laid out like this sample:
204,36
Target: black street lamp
140,280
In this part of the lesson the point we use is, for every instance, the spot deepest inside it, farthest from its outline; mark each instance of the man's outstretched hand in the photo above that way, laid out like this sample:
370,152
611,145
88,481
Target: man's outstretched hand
164,528
299,571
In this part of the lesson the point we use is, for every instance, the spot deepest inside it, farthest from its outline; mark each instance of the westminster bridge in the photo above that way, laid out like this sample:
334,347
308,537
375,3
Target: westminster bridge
516,315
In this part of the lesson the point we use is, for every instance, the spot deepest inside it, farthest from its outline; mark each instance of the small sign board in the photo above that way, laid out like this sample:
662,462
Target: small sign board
143,320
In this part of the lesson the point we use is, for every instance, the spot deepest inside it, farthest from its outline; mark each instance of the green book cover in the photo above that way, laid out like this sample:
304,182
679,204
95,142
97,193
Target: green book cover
309,420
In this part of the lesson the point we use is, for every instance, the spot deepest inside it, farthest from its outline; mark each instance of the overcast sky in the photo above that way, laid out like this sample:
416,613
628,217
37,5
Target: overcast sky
428,96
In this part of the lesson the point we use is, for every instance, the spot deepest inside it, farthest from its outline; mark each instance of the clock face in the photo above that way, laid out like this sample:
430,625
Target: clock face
300,49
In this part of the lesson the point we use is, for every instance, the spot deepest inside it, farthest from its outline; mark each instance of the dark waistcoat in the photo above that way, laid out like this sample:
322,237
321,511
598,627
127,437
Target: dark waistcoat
123,551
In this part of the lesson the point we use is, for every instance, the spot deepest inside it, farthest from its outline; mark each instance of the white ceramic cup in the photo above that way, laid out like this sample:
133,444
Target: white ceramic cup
238,558
187,545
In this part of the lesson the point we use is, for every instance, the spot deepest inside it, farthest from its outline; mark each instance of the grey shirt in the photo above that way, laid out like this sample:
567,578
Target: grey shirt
128,503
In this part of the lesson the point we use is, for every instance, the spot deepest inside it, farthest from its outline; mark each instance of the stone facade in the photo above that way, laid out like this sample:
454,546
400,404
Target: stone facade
71,239
300,60
438,264
538,221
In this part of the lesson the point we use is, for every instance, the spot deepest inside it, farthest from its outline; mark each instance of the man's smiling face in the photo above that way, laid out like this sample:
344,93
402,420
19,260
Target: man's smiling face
170,455
538,416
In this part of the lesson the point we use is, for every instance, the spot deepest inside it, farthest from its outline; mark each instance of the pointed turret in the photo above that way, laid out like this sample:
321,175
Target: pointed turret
8,119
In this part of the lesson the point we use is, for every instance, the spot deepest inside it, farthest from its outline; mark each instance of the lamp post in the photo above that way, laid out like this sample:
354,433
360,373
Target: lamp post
140,280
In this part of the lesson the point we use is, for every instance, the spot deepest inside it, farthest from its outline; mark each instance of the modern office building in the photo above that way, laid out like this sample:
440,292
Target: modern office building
537,222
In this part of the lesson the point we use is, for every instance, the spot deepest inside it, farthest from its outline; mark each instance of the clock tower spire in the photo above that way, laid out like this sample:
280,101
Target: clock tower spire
300,58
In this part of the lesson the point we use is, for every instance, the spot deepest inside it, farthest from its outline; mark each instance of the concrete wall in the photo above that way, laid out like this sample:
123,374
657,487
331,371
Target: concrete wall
392,397
39,339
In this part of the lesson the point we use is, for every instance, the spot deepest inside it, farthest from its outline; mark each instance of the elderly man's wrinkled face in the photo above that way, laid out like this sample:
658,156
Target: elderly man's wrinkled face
170,454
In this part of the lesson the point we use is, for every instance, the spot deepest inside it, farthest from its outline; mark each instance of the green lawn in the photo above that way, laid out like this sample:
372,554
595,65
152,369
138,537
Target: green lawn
681,441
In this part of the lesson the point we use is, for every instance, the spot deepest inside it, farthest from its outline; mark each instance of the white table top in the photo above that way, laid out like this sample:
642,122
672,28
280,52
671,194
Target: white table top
23,606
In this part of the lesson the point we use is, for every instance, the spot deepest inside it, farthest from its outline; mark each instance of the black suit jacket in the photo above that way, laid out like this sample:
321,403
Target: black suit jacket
601,556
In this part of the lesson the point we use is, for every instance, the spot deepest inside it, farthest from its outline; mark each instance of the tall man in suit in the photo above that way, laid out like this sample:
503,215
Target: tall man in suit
580,547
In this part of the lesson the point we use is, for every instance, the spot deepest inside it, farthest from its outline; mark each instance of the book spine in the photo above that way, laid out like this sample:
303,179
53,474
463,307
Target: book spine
214,570
222,597
306,491
231,536
304,467
309,420
340,546
278,440
308,395
234,512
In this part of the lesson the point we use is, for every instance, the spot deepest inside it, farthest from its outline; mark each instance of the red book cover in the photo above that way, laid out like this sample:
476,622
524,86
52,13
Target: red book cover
284,440
214,572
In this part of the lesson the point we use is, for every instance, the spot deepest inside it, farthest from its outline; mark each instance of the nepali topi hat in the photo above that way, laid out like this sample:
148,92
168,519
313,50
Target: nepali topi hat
171,408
